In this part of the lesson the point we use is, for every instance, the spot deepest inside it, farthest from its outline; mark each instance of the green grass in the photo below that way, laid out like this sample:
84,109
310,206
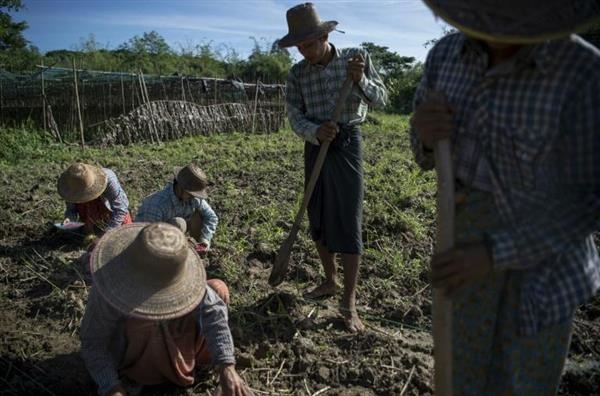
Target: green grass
256,191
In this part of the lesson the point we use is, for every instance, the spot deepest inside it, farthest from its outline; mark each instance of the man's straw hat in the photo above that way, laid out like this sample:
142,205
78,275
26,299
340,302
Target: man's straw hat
192,180
517,21
304,24
81,183
148,271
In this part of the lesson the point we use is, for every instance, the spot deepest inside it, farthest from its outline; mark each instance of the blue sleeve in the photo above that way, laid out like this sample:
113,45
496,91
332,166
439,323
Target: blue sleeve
98,328
117,198
209,222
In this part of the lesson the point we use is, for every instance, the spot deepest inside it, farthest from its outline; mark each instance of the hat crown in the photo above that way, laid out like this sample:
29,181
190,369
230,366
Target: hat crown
191,178
302,19
79,176
159,252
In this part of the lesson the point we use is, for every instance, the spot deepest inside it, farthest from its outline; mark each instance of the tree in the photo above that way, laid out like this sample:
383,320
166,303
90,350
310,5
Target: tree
11,33
388,64
15,55
400,74
148,52
446,30
267,63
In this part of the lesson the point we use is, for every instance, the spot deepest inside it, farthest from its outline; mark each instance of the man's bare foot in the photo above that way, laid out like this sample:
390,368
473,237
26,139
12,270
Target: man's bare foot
326,289
351,320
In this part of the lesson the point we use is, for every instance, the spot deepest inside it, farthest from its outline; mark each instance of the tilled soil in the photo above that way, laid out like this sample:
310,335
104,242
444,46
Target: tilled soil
285,344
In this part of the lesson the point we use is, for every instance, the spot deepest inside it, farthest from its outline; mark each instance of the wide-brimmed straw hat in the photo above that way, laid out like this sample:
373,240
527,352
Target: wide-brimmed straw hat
192,180
148,271
304,24
517,21
81,183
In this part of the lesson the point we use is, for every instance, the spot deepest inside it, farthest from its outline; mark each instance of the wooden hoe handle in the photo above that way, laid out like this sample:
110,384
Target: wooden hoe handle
282,261
442,306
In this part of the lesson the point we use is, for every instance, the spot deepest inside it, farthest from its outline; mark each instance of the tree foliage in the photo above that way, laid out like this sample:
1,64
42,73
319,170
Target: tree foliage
400,74
151,54
13,45
11,32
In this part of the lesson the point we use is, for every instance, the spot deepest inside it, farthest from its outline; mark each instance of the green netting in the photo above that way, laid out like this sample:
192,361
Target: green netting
48,95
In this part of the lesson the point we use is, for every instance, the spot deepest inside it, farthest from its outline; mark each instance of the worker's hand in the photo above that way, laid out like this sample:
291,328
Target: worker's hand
231,384
452,270
327,131
66,221
201,247
117,391
356,67
433,120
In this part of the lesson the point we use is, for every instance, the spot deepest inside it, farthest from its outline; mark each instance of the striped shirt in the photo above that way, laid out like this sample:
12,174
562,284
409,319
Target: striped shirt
163,205
114,198
103,340
527,131
312,90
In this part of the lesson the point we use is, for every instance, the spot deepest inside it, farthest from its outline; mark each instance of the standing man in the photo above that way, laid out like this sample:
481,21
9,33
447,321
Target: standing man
520,99
313,85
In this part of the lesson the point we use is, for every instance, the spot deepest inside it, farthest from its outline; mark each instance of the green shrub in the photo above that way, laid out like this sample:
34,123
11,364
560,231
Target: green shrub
18,144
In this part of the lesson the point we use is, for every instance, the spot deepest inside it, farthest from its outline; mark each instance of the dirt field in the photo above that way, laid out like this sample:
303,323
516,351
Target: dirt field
284,344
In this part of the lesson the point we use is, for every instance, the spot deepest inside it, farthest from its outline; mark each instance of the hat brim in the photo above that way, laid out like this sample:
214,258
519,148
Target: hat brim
290,40
125,289
198,194
87,195
511,29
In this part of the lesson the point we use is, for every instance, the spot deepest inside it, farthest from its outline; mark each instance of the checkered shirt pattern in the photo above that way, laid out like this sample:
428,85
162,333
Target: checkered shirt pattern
312,91
528,132
163,205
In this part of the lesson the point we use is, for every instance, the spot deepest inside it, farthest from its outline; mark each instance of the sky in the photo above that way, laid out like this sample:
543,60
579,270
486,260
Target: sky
402,25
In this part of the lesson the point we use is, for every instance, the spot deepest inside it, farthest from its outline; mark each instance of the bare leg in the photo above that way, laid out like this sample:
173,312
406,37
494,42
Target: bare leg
329,287
348,305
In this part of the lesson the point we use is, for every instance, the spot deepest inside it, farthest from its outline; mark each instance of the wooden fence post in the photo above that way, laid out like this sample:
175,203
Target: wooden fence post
182,90
78,105
255,106
43,98
123,94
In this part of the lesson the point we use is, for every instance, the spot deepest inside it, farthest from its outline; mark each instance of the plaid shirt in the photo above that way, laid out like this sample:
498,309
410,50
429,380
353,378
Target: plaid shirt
528,132
312,90
103,340
114,199
164,205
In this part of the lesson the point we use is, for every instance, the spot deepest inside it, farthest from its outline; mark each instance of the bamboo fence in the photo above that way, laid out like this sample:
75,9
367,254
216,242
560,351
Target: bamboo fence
161,107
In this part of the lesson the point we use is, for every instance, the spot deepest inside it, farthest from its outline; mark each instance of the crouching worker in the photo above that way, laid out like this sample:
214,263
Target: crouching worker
95,197
185,197
151,315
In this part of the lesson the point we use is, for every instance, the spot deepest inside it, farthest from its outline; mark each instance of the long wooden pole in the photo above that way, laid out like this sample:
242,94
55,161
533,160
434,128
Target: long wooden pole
182,90
123,95
78,105
43,97
283,256
150,110
255,106
442,306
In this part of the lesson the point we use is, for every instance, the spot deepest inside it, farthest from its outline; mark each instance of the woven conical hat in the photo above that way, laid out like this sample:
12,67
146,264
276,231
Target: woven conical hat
517,21
148,271
81,183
